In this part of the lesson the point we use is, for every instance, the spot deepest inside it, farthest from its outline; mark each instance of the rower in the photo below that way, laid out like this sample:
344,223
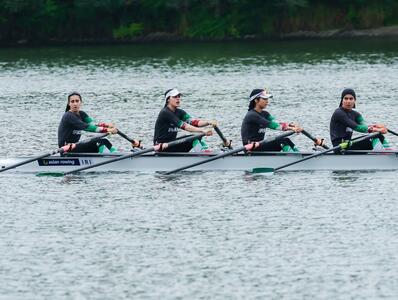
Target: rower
74,121
172,118
345,120
257,120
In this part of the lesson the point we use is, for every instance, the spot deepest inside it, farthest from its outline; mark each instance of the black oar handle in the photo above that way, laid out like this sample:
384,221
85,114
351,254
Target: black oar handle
126,137
263,142
338,147
130,155
60,150
223,138
307,134
392,132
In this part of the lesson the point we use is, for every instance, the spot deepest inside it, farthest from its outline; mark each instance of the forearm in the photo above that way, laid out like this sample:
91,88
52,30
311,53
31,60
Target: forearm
191,128
283,126
199,123
94,128
102,124
361,128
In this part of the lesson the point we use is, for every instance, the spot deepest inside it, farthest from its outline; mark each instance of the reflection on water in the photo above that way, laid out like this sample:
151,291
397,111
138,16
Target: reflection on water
211,235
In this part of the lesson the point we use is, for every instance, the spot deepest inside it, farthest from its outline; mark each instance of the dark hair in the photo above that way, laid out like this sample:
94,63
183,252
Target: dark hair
167,97
70,95
255,92
252,104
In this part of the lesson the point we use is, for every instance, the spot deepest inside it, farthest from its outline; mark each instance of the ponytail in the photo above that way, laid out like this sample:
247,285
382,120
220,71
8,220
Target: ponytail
252,104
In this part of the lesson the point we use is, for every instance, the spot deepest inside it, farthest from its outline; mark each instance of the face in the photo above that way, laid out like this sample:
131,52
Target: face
175,101
262,103
348,102
75,103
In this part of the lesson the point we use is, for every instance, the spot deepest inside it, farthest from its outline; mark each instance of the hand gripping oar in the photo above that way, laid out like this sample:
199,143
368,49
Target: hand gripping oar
308,135
60,150
392,132
341,146
228,153
224,140
129,155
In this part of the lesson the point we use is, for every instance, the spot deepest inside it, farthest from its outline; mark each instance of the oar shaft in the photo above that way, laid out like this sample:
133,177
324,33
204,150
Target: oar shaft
307,134
266,141
392,132
223,138
206,160
130,155
369,136
28,161
60,150
307,158
126,137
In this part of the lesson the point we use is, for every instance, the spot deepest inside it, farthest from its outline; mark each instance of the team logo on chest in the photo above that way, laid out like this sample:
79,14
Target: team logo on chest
261,130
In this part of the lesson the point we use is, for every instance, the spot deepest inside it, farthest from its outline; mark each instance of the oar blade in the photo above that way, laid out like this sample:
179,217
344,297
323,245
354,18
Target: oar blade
267,171
50,174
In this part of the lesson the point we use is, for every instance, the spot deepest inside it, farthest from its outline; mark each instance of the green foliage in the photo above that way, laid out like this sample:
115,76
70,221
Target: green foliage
212,29
371,16
123,32
43,20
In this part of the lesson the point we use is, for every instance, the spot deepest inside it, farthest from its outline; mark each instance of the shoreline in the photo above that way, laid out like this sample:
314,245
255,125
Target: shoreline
334,34
379,32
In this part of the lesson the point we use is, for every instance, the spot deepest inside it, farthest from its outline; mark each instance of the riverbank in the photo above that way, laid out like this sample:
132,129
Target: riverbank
380,32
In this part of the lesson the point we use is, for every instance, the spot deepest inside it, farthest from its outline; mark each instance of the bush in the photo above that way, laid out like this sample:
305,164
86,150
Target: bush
125,32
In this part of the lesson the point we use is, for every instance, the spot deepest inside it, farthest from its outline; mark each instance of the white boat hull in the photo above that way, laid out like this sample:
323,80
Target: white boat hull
239,162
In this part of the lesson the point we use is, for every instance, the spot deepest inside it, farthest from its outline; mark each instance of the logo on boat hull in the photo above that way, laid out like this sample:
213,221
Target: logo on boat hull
59,162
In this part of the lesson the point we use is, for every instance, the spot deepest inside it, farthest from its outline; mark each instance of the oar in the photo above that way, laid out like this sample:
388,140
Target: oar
129,155
60,150
228,153
224,140
392,132
308,135
271,170
126,137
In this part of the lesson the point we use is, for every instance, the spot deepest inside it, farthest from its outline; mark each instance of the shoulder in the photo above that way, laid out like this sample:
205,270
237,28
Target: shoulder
68,115
339,111
356,113
265,114
165,113
249,114
83,114
181,112
252,115
164,110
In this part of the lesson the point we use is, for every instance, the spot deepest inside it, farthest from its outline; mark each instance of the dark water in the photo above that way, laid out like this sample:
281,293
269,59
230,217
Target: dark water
212,235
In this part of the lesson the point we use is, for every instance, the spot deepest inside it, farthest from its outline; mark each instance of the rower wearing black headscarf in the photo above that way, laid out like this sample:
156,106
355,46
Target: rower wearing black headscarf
345,120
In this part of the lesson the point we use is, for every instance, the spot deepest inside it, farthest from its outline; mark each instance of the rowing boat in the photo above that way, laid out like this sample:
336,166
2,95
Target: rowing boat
352,160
